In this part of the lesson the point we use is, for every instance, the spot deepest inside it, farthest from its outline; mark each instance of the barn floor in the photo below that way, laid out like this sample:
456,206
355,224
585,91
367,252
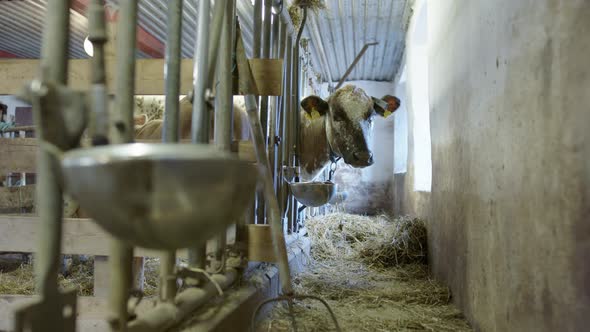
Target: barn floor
372,272
369,299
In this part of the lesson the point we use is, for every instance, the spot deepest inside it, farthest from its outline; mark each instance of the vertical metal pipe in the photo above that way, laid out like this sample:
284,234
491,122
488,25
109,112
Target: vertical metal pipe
224,108
219,9
171,127
285,132
257,51
125,80
265,54
224,95
200,123
200,120
167,283
98,37
280,115
172,72
54,52
266,29
121,252
120,261
273,102
257,28
54,66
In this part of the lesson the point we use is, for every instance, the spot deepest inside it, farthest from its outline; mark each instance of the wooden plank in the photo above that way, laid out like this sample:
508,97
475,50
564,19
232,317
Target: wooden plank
18,155
268,77
18,233
149,80
92,312
17,197
102,276
260,248
18,129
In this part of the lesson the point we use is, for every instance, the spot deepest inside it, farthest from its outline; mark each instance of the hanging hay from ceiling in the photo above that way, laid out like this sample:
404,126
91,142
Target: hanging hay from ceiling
296,13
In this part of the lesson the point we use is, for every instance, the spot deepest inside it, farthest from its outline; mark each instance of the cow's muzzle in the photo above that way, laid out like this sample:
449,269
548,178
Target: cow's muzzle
363,158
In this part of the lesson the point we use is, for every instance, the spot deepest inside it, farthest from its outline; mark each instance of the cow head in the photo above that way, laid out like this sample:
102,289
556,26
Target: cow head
349,114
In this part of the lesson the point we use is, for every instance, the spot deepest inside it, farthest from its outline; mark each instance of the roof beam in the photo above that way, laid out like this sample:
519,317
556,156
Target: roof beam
5,54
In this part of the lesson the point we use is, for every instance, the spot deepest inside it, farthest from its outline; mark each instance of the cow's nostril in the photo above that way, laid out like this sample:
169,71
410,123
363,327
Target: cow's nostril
363,156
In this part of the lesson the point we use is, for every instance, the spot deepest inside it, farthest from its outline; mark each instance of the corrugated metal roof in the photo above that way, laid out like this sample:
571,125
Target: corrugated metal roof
336,34
21,28
340,31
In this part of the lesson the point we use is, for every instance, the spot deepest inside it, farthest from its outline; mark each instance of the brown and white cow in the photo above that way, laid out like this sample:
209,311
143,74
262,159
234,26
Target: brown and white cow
339,128
153,128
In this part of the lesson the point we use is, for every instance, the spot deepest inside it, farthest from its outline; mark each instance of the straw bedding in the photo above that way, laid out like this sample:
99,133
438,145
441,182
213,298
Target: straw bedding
19,277
372,272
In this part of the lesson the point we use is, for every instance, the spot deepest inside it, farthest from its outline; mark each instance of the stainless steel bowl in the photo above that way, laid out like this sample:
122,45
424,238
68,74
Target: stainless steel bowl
313,194
160,196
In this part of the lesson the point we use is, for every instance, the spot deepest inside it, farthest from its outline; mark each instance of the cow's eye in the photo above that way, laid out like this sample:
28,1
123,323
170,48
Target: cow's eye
338,116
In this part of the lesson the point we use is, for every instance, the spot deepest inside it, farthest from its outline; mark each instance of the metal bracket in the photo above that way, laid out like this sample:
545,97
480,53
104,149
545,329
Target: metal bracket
57,312
62,112
353,64
290,172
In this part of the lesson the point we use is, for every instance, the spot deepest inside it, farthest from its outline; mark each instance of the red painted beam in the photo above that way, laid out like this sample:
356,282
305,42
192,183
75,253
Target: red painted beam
146,42
4,54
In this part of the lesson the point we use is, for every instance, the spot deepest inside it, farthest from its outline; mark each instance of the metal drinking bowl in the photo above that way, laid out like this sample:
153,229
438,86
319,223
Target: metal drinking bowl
313,194
160,196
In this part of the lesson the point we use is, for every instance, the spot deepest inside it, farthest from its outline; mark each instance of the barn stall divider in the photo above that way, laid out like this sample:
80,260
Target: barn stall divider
141,221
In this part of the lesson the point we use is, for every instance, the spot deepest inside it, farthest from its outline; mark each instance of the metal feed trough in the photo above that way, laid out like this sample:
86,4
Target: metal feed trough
160,196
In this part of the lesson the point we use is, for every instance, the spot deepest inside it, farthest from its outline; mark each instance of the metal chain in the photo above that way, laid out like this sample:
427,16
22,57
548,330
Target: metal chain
333,166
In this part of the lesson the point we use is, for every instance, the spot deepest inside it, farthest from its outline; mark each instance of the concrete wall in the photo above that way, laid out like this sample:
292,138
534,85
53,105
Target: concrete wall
509,226
370,189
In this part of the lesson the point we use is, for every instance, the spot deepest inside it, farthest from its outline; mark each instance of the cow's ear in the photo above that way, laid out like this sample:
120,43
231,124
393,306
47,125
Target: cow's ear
314,106
386,105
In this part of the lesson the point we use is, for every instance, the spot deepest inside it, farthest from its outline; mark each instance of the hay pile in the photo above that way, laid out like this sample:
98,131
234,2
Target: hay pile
378,241
19,278
371,271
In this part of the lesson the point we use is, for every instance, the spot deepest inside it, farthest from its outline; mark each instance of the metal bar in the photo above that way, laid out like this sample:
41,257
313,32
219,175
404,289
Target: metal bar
54,66
284,129
224,95
167,283
256,53
356,60
297,79
257,28
98,37
170,133
317,41
219,8
172,72
274,104
200,123
286,19
165,315
224,110
200,117
125,80
121,253
121,262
